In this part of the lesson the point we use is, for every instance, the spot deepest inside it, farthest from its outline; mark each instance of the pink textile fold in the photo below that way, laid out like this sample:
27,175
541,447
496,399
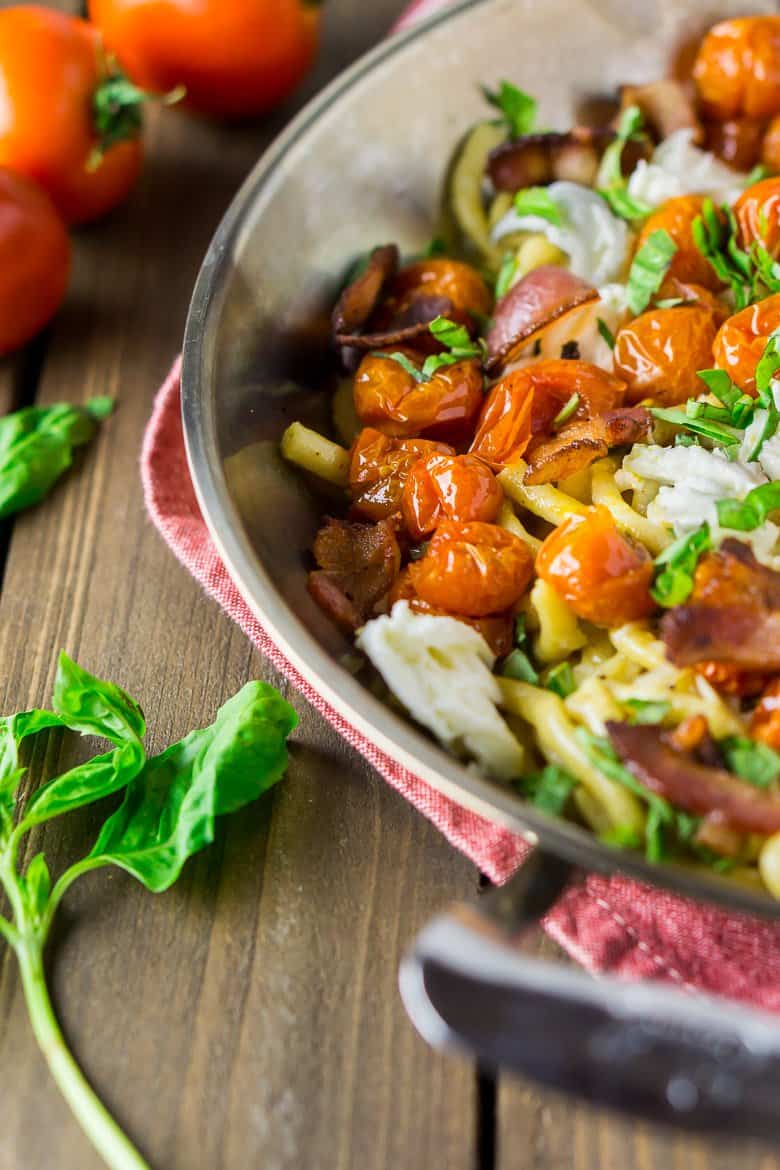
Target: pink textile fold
607,923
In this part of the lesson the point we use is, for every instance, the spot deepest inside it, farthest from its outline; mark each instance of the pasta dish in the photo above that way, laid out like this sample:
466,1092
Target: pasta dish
554,469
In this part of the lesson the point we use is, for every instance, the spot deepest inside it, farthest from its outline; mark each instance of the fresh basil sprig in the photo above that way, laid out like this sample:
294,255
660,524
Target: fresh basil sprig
168,813
518,109
648,269
458,343
36,448
674,583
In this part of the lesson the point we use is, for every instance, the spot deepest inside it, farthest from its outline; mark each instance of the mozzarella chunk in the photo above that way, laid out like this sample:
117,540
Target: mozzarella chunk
677,167
596,241
440,669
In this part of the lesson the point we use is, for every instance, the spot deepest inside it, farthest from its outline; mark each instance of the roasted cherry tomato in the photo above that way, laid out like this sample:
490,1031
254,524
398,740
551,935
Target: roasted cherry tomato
34,260
676,217
235,57
498,630
379,468
449,487
685,290
738,142
525,403
731,680
741,340
473,569
659,353
737,69
53,84
601,574
445,407
758,215
765,724
461,284
770,148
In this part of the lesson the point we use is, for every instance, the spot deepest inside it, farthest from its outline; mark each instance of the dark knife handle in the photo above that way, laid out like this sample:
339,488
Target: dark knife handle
643,1048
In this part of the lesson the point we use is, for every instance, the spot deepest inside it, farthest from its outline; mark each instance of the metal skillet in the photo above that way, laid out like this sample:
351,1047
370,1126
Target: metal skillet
362,164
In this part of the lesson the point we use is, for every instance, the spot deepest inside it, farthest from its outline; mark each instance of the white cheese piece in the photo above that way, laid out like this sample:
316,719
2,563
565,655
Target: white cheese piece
677,167
692,480
596,241
440,669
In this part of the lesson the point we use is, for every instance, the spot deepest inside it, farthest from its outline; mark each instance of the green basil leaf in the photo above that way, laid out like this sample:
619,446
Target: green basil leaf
647,710
36,887
766,368
538,201
672,302
404,362
622,837
518,665
623,205
170,808
648,269
605,332
758,173
674,584
550,789
518,108
560,679
95,707
566,411
101,776
458,342
506,275
720,384
727,435
749,513
36,448
752,760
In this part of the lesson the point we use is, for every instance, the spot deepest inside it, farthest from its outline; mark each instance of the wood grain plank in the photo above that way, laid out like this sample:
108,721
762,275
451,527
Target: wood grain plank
540,1130
249,1017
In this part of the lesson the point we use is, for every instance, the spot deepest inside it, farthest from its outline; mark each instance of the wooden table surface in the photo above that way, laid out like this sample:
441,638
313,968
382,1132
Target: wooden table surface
249,1019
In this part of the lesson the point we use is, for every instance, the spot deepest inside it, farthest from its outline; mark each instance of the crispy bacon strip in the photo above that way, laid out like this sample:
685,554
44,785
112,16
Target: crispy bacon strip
580,443
543,296
733,614
358,564
537,159
696,787
359,299
412,323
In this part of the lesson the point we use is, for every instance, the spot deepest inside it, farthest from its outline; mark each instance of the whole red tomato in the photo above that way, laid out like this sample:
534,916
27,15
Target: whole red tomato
235,57
34,260
52,71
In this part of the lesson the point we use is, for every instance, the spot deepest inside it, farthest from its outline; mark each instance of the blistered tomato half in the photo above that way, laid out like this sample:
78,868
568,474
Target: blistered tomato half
602,575
758,215
449,487
525,402
676,217
737,69
443,407
473,569
659,353
741,340
379,468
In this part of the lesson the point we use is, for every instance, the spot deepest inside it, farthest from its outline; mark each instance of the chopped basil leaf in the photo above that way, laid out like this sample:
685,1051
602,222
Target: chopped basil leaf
751,760
561,680
519,109
437,247
565,413
404,362
538,201
648,269
550,789
621,837
660,813
766,368
457,340
684,440
758,173
606,333
518,665
612,186
506,275
623,205
719,433
674,584
720,384
671,303
647,710
751,512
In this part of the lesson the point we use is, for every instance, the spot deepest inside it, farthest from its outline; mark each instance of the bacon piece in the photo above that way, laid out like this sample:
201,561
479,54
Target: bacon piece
580,443
406,326
535,159
666,107
544,295
361,296
649,755
358,564
733,614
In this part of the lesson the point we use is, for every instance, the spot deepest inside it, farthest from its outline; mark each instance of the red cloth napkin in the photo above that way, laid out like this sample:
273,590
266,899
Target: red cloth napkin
607,924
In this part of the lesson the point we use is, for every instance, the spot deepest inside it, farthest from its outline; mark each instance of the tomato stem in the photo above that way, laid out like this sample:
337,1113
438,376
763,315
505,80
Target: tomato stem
117,116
